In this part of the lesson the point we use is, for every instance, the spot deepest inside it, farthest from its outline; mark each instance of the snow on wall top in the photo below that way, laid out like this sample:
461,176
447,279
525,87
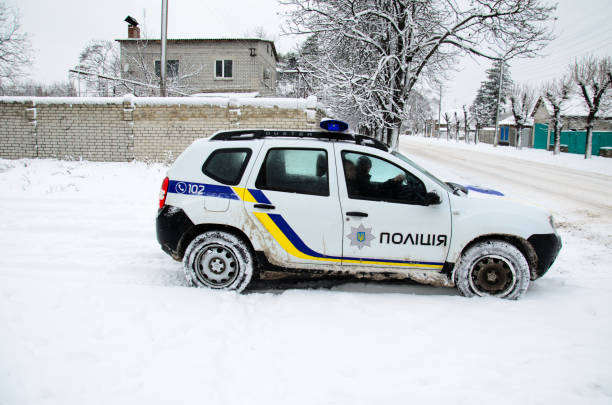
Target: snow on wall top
227,95
264,102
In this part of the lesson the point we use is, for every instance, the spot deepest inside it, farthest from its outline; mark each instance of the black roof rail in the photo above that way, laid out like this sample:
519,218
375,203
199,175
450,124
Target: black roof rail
246,134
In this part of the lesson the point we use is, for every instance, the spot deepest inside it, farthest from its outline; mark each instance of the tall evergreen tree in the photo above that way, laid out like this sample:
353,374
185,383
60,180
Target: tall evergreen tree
483,107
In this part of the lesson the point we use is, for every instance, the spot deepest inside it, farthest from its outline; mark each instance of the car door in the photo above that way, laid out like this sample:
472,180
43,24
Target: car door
386,222
293,197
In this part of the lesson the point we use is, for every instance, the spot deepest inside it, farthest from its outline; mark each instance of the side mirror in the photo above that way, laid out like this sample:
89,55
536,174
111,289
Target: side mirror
432,198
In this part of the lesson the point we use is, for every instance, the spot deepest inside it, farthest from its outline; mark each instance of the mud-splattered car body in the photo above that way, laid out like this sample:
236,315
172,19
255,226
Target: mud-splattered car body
322,201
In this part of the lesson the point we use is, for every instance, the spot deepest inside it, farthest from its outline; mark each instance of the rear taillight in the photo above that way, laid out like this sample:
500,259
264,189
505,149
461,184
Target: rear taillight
163,193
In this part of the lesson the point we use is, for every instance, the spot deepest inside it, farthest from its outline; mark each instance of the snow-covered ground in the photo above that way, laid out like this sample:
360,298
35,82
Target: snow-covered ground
92,311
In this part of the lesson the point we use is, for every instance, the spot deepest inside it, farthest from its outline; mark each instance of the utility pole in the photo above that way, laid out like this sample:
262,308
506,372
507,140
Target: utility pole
164,37
439,110
501,80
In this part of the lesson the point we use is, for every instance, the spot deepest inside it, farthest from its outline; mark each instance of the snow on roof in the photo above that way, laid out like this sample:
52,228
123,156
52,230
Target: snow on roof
575,106
509,121
547,106
267,102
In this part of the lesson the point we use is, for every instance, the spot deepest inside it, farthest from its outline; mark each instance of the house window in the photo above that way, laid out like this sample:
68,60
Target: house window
172,68
223,69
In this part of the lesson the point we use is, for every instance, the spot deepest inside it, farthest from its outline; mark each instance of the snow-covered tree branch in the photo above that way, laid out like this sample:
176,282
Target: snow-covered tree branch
375,52
522,100
15,48
101,60
556,92
593,77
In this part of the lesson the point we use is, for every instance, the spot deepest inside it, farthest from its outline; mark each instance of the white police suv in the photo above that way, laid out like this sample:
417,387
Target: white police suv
329,201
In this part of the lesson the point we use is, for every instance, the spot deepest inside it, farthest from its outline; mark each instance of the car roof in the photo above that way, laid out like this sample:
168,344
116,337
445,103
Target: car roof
250,134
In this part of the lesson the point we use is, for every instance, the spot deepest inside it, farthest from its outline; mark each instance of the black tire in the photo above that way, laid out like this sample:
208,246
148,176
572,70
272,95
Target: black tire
492,268
219,260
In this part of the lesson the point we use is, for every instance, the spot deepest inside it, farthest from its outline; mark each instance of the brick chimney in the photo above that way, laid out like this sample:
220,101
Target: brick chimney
133,31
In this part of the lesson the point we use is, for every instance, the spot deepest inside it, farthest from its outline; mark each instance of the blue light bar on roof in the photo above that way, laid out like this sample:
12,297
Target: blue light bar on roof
334,125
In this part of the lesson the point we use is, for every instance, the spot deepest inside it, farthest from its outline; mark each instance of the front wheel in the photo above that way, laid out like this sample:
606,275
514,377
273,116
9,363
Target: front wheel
219,260
492,268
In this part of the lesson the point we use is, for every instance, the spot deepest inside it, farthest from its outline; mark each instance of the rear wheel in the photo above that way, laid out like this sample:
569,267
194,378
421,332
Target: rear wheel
492,268
219,260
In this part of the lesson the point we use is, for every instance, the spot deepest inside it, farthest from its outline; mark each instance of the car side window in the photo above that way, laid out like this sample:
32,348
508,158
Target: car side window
371,178
290,170
227,165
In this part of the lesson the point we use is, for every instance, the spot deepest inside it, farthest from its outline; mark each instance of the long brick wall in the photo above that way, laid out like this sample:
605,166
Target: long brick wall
124,129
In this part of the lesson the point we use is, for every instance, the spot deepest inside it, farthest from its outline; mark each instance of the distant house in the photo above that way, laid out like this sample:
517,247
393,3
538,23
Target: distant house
508,132
203,65
573,116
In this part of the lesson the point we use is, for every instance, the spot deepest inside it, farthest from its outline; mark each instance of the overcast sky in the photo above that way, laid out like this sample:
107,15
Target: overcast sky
59,30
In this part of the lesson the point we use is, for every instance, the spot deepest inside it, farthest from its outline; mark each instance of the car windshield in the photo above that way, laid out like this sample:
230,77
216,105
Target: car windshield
425,172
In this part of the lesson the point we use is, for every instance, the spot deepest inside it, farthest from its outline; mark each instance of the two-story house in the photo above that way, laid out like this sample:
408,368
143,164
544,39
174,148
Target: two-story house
202,65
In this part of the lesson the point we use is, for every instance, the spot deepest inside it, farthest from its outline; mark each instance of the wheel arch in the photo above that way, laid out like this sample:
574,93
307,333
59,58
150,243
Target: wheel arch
521,244
199,229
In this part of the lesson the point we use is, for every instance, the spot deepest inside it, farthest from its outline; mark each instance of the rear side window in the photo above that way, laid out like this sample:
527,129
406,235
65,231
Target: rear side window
302,171
227,165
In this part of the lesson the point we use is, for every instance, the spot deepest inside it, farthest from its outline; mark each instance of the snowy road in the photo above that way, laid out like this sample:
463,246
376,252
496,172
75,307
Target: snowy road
92,311
559,187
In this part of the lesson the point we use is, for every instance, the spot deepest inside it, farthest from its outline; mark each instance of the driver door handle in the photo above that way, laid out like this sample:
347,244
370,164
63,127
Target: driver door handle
265,206
356,214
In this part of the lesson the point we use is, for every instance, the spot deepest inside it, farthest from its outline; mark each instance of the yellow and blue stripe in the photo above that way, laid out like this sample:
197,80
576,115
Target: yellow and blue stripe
280,230
289,240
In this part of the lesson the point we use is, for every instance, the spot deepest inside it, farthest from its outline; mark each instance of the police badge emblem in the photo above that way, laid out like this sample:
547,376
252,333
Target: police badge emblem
360,236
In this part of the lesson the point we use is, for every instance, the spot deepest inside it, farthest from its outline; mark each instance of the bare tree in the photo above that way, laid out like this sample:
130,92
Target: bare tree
376,51
141,62
15,48
457,126
466,124
481,116
447,118
522,100
259,32
418,110
101,58
556,92
37,89
593,76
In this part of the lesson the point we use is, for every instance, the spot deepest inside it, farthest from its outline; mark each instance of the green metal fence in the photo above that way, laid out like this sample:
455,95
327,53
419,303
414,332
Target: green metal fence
540,136
575,140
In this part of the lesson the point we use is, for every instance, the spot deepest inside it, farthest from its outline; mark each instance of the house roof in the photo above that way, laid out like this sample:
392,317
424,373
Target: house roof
573,107
509,121
204,40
